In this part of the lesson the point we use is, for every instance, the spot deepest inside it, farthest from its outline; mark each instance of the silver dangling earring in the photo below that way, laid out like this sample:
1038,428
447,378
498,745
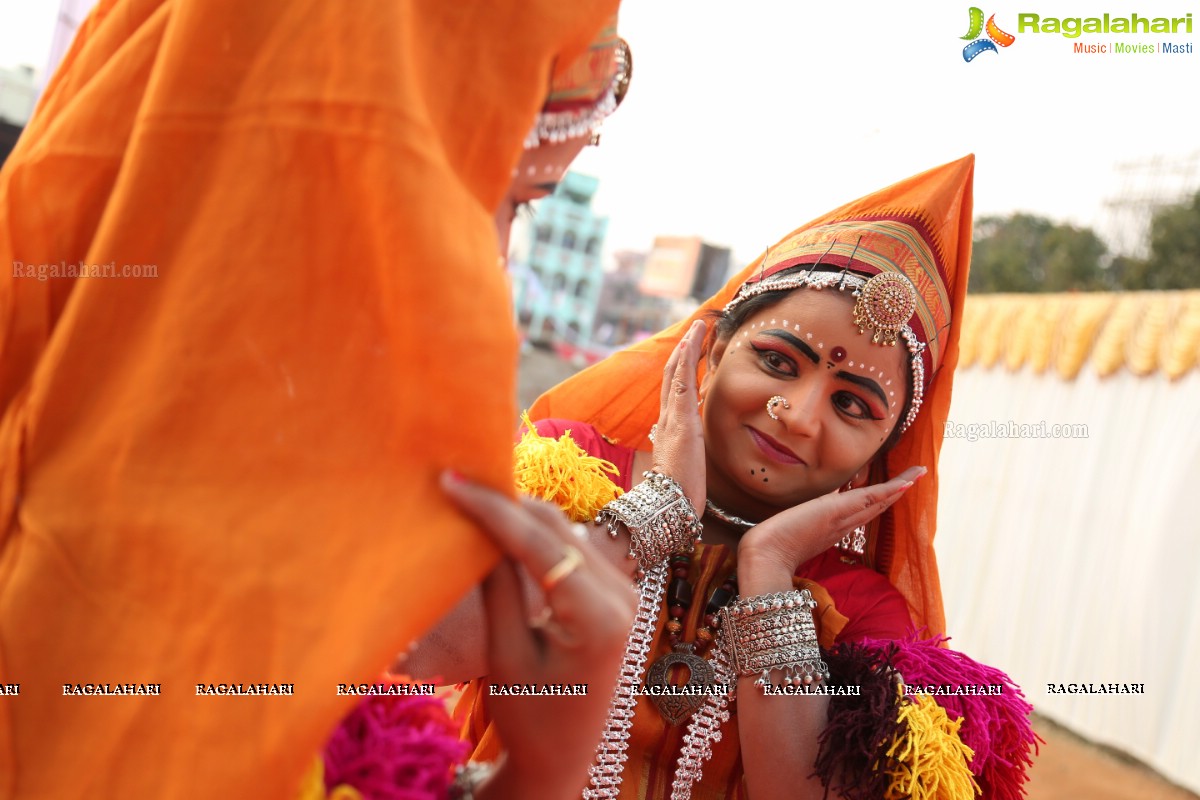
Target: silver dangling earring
774,401
856,541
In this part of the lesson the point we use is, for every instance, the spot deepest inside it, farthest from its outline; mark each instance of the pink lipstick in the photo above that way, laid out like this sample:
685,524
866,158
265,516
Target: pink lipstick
773,449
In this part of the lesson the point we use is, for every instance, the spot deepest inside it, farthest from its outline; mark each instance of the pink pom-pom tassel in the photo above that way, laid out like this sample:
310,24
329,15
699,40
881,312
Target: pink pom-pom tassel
395,747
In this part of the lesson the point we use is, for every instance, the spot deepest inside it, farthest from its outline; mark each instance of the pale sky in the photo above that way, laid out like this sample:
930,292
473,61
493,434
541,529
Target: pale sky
26,27
746,119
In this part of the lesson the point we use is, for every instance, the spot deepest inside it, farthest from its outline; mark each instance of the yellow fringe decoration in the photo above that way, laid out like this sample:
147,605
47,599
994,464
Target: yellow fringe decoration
1183,349
936,761
1144,347
562,472
1086,315
1112,342
1027,327
1041,348
997,329
974,314
1144,333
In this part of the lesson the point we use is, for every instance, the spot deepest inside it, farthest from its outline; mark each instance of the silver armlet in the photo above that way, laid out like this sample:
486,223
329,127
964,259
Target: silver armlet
774,631
660,519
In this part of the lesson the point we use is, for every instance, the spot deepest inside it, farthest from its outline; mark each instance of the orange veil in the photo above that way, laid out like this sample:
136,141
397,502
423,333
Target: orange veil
222,470
920,227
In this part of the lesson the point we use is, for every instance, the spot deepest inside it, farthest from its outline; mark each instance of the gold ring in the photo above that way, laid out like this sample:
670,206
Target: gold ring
572,559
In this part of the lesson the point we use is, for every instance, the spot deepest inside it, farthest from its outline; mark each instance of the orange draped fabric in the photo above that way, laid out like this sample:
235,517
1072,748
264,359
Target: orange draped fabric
226,473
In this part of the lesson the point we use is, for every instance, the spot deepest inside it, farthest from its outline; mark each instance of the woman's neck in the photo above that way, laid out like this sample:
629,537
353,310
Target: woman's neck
717,532
731,499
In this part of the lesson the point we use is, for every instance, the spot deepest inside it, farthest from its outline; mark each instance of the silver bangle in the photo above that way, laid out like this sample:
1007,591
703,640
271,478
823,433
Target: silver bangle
774,632
660,519
469,777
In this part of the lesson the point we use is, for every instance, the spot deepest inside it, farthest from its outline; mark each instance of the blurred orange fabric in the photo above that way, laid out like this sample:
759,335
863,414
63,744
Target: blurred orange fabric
226,473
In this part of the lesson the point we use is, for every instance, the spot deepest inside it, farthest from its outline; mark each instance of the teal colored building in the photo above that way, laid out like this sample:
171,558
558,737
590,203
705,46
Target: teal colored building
559,287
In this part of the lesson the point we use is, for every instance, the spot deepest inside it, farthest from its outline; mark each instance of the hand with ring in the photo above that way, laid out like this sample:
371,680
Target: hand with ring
578,638
678,438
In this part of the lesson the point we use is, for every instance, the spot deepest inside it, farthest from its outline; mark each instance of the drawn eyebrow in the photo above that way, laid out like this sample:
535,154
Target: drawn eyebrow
797,343
866,383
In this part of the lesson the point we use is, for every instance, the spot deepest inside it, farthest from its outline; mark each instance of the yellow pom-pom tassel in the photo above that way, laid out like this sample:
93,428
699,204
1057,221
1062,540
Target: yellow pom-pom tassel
561,471
935,761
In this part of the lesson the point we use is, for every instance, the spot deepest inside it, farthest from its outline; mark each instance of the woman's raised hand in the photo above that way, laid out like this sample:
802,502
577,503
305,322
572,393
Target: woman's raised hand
678,438
780,544
573,635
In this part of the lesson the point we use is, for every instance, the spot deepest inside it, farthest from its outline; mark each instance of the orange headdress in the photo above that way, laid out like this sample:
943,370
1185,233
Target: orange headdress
586,91
920,229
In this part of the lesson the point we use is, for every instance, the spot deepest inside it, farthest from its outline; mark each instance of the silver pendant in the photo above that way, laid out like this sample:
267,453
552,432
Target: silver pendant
677,708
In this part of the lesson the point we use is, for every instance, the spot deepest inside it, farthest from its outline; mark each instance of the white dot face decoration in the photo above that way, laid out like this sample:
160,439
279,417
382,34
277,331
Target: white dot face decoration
885,304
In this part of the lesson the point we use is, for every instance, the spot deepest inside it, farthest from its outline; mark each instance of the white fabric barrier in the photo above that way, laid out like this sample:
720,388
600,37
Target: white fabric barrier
1076,560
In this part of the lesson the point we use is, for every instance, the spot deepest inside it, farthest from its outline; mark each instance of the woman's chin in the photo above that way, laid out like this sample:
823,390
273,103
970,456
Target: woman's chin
774,500
746,489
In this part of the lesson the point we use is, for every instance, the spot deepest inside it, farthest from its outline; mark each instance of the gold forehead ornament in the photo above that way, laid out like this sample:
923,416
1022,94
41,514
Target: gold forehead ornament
885,305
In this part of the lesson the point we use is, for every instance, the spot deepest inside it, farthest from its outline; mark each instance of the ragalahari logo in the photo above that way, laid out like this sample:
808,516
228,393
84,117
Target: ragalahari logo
994,37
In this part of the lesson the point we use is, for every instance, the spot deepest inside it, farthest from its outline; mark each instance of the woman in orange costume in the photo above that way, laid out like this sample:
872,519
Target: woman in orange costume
567,628
202,472
809,429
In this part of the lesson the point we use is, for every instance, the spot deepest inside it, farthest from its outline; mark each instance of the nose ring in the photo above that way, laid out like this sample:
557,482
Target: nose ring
774,401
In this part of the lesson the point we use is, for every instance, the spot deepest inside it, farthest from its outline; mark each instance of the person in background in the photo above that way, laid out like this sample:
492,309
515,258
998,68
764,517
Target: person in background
576,106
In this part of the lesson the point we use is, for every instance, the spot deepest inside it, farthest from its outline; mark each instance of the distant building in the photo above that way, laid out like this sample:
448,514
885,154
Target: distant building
9,134
557,287
624,313
680,267
649,291
18,94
